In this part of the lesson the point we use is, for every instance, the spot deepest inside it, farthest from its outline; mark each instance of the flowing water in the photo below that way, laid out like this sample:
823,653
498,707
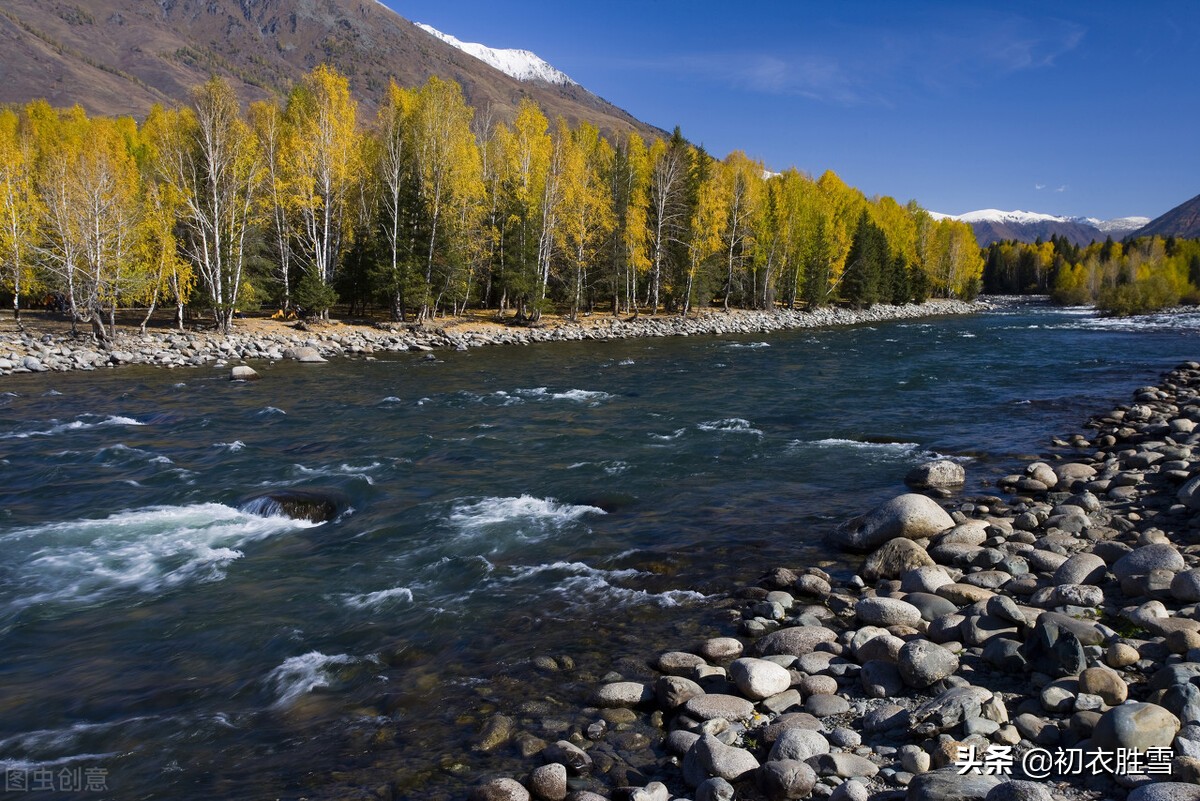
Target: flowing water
581,500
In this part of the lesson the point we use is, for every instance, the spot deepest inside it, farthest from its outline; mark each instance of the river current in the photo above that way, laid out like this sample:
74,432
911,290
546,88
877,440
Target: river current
585,502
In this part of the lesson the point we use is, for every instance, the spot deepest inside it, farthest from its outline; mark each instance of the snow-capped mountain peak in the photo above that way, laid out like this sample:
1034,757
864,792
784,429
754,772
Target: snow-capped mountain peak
520,64
1120,225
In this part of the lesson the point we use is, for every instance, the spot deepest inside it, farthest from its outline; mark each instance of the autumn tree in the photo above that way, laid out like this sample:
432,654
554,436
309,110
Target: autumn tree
20,207
742,192
449,180
211,159
587,213
629,188
708,218
324,149
395,168
668,207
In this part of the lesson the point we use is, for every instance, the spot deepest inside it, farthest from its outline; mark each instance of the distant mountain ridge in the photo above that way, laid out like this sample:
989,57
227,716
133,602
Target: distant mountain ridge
1183,221
994,225
118,57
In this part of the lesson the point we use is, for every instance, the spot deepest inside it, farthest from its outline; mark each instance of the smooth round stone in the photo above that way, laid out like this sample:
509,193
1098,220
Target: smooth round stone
1149,557
844,737
795,640
925,579
850,791
887,612
931,606
717,705
715,789
791,720
549,782
786,778
758,679
823,706
243,373
799,744
1166,791
622,694
1185,586
1019,791
940,473
912,516
679,663
813,586
1135,725
1104,683
500,790
721,649
817,685
963,594
1121,655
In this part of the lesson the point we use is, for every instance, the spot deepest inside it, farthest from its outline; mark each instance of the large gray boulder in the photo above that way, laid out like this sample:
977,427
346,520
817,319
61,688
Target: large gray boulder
758,678
303,353
910,516
893,559
1136,726
938,474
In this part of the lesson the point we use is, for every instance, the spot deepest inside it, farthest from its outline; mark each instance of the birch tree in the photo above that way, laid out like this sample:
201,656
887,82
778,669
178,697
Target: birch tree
210,157
20,207
323,150
587,213
449,181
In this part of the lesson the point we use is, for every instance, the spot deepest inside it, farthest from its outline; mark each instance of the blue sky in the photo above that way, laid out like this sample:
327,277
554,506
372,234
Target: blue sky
1072,108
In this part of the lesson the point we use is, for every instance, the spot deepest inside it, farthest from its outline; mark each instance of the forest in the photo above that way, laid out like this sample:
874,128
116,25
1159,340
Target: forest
430,208
1120,278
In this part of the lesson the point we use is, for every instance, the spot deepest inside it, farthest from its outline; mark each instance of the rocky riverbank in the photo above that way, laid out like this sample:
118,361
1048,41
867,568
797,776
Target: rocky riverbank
1040,644
40,351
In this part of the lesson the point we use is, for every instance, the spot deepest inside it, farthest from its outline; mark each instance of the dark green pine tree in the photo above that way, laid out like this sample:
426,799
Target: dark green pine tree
865,264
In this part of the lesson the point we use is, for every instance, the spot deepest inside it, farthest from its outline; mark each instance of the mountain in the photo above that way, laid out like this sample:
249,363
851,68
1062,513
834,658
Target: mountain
1182,221
993,225
519,64
121,56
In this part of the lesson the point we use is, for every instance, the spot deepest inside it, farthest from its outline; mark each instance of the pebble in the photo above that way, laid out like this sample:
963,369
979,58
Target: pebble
921,659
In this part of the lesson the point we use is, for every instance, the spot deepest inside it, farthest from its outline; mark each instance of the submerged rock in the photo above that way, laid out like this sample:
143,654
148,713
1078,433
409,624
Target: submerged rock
318,506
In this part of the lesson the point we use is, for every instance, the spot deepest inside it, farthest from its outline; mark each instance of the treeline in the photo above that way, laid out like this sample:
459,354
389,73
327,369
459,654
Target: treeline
430,208
1142,275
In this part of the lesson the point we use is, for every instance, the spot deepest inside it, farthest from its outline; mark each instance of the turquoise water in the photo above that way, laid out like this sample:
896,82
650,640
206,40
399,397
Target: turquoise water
578,499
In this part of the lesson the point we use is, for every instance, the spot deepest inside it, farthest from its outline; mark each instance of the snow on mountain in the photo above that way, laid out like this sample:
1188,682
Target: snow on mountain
520,64
992,225
1120,225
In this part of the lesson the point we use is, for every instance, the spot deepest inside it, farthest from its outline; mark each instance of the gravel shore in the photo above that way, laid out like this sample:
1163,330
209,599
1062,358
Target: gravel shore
1039,644
36,351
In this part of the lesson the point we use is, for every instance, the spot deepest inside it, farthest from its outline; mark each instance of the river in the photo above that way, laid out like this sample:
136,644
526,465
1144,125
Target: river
586,502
